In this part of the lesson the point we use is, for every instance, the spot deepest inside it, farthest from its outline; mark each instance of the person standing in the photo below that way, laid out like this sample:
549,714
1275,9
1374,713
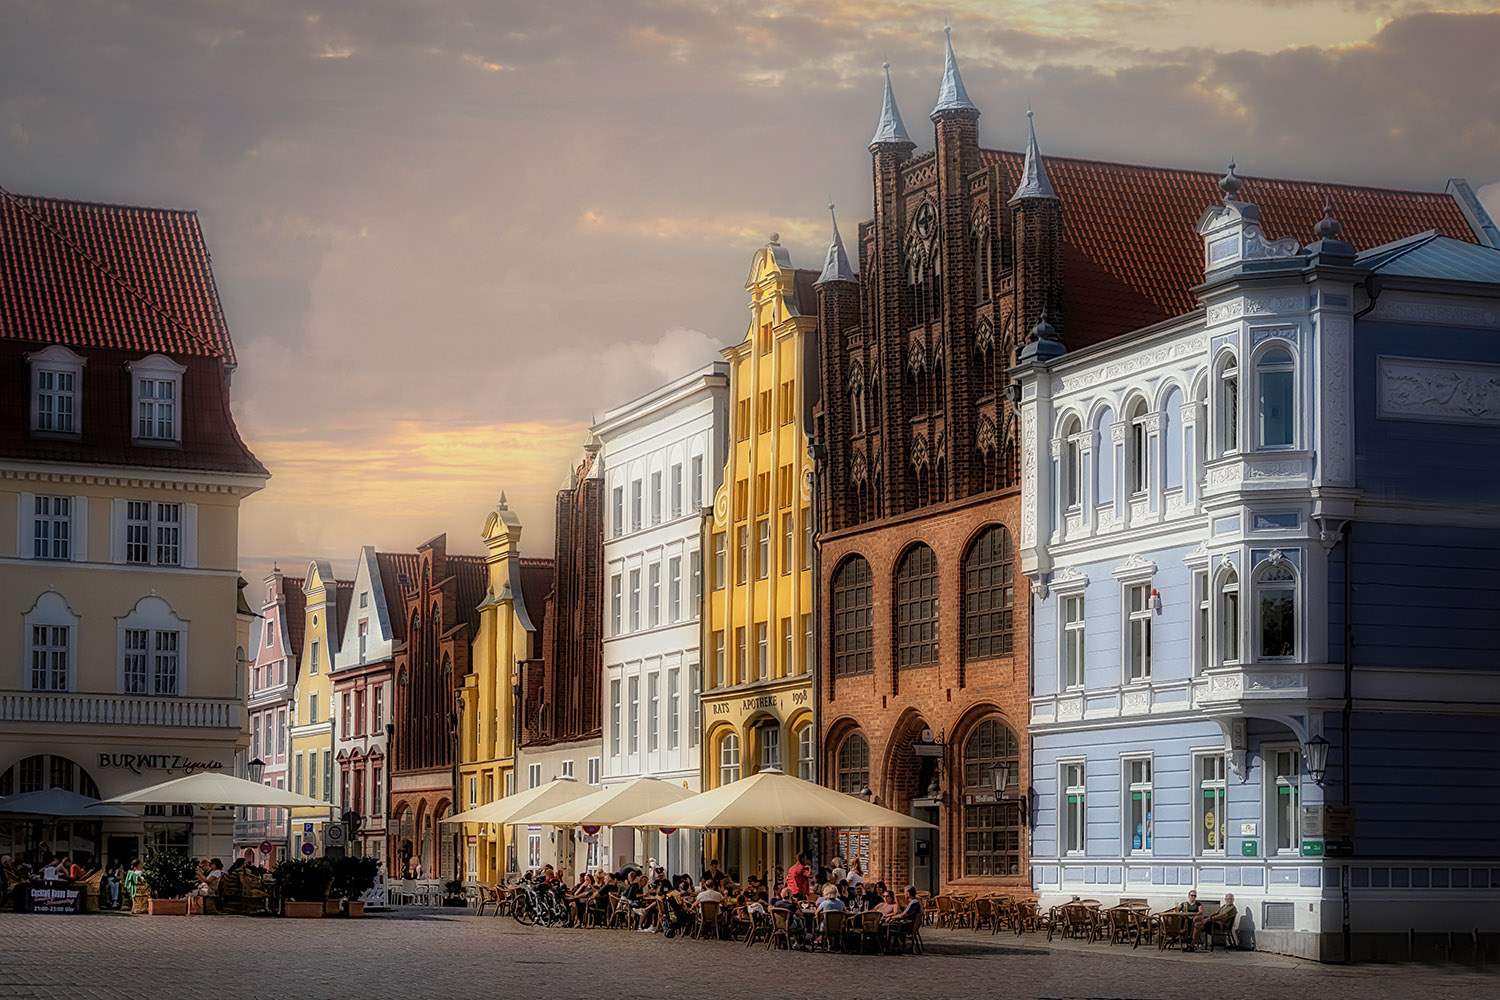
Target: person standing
799,877
133,880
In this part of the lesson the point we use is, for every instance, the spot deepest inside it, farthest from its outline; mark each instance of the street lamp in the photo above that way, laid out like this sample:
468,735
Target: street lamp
865,792
255,769
1000,776
1315,753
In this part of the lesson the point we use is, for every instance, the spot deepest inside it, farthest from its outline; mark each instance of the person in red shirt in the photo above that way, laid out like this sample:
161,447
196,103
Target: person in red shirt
799,876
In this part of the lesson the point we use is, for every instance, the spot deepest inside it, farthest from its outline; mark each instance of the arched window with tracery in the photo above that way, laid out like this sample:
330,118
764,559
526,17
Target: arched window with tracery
989,595
853,633
992,829
853,764
917,607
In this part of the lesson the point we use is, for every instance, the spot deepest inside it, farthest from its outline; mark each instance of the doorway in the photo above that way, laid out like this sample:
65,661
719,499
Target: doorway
924,851
122,849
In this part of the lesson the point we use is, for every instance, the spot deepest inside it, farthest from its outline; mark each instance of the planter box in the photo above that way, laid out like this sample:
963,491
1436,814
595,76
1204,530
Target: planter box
331,907
167,907
354,907
293,908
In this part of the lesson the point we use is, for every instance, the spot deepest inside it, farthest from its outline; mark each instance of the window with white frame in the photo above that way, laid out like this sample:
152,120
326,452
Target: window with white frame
1227,413
596,770
636,511
763,562
677,490
315,659
1276,611
787,650
616,597
566,769
635,600
720,667
151,647
50,654
52,528
1202,615
1139,454
153,533
762,652
674,708
1286,795
1072,459
729,758
1073,640
653,711
742,571
770,746
533,775
695,704
1137,632
1139,816
156,390
1072,836
656,498
56,381
807,541
1209,819
1229,616
695,586
742,655
653,590
697,480
1276,396
721,560
533,850
809,645
805,752
633,716
618,511
614,718
674,589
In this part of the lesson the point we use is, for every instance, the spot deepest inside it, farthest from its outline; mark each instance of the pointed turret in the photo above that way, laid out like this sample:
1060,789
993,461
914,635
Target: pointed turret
1034,181
951,93
836,264
891,127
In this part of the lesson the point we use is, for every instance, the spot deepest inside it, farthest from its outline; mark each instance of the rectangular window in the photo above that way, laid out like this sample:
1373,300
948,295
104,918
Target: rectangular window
764,549
1138,632
616,623
742,419
633,716
742,571
168,534
635,505
765,411
56,401
315,658
762,652
653,711
364,598
377,791
788,543
596,771
676,487
255,738
312,708
360,729
1209,818
1138,811
565,770
653,591
1285,815
763,493
364,639
784,486
696,500
721,560
635,599
377,711
788,402
346,715
52,528
1202,615
1073,641
533,775
786,648
157,400
720,678
153,540
297,774
1075,812
49,658
742,654
770,747
510,782
164,664
695,575
674,589
618,508
809,647
742,499
614,718
807,541
656,498
674,709
695,705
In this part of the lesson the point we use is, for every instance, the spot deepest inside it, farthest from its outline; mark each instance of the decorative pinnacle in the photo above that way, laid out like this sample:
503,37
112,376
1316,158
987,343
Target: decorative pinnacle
891,128
951,93
1230,184
836,264
502,501
1034,180
1328,228
1044,330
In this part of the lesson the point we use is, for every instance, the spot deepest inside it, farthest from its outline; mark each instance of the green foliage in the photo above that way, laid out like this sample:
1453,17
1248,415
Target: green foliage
454,888
170,874
354,876
304,880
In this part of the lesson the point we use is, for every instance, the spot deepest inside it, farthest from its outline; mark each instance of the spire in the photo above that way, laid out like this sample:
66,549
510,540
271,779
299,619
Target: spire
836,265
1034,182
951,93
891,128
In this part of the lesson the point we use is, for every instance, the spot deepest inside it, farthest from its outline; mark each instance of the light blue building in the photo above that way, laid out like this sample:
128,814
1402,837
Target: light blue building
1204,501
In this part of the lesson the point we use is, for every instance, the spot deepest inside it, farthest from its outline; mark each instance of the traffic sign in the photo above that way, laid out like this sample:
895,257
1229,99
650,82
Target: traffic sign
335,835
307,848
265,847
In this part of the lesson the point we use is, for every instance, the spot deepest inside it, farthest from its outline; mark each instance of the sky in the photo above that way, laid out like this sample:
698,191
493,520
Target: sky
449,234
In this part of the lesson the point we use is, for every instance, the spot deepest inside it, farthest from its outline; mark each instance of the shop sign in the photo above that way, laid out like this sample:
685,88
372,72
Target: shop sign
1338,821
135,763
928,749
47,899
1248,849
1338,847
980,798
1312,848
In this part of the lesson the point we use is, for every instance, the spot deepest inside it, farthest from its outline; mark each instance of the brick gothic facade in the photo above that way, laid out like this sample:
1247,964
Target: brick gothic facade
562,702
430,664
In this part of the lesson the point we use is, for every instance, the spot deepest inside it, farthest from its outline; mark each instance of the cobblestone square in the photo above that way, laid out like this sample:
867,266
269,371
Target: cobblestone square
432,953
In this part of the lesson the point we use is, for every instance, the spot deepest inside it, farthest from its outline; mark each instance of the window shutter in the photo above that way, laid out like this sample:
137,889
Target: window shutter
80,539
188,543
118,510
25,548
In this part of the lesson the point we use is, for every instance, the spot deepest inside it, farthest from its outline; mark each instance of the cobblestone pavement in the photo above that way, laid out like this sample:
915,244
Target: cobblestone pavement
415,954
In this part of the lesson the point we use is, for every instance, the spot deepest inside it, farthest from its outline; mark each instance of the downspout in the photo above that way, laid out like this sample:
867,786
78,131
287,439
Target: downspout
1348,704
817,453
705,600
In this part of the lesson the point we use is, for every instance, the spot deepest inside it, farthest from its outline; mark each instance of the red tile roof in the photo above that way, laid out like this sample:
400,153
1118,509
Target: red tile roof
296,619
472,583
90,275
1131,252
393,566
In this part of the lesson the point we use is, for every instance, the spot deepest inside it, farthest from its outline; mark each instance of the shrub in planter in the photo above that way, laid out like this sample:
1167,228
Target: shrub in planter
169,874
453,890
303,880
353,876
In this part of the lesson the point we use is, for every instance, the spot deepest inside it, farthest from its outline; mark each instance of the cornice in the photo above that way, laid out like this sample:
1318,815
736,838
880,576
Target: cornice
224,482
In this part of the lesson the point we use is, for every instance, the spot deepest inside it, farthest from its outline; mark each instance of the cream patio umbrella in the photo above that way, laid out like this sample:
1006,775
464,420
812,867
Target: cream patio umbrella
513,808
772,800
58,803
612,806
211,790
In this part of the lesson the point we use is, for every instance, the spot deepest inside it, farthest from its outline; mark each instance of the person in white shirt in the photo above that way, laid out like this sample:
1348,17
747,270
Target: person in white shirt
710,893
839,872
855,878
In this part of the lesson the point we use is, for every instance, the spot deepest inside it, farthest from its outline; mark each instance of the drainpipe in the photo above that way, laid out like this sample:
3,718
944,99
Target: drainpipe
814,510
1348,704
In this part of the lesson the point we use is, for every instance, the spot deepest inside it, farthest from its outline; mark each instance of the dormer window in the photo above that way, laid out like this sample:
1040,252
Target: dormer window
156,394
56,381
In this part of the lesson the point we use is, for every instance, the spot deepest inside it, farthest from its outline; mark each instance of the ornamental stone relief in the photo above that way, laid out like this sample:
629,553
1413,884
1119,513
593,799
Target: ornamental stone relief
1334,376
1275,682
1028,476
1136,703
1141,361
1423,311
1439,391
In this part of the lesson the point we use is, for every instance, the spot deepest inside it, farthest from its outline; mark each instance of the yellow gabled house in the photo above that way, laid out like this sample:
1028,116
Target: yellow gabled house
758,642
311,730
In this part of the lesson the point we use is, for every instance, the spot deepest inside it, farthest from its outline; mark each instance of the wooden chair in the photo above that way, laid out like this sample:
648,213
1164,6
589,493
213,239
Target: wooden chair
619,912
487,897
708,922
781,930
1222,925
1027,916
833,930
1173,928
944,907
984,914
867,930
760,928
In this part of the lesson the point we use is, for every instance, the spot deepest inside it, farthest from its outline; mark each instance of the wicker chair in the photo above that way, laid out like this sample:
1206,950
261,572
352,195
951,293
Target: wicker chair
867,929
708,922
781,929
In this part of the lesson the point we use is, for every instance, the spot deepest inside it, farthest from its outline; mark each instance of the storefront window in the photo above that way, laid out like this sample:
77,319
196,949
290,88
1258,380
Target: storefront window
992,829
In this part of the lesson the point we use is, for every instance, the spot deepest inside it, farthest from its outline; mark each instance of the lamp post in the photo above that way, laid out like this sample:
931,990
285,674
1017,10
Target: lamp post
1000,777
1315,754
255,769
865,792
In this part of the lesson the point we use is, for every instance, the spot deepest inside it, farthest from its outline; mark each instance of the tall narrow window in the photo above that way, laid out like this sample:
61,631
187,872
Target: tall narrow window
614,717
1138,632
695,587
633,716
56,401
853,765
1072,465
695,704
1202,616
674,708
805,752
618,508
616,597
720,667
314,658
1074,811
1276,405
742,572
1209,819
809,645
989,595
770,747
156,400
762,652
676,490
1139,456
653,711
49,657
1229,407
635,600
721,560
729,758
1073,640
51,528
763,561
1229,617
653,590
741,655
1139,814
636,513
1288,794
788,543
674,589
992,829
696,500
656,498
787,652
853,634
917,607
1276,598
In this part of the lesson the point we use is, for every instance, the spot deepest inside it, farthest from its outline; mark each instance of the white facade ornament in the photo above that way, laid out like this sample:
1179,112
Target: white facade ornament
1135,565
1336,448
1069,577
1439,391
1028,474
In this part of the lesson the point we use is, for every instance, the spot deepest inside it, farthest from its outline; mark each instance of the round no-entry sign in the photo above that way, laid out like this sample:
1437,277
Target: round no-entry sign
307,849
265,847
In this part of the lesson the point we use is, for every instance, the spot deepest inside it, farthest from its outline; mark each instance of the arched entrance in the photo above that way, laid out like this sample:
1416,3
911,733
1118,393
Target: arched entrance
912,784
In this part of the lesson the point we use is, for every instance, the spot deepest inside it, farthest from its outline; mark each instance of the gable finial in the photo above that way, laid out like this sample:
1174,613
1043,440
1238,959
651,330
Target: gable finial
1328,228
1231,183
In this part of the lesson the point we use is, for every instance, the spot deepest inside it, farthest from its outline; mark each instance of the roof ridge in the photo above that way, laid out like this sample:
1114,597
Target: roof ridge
92,261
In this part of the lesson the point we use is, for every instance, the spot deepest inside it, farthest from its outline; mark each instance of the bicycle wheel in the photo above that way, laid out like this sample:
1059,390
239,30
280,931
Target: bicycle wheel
522,912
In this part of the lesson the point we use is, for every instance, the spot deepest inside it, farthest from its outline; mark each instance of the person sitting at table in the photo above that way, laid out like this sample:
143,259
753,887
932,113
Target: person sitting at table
913,910
1222,920
887,907
578,900
710,892
55,870
1191,906
714,871
873,894
831,900
755,891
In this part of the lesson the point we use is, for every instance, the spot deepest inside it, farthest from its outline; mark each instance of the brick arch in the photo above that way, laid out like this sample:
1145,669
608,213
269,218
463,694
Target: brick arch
833,738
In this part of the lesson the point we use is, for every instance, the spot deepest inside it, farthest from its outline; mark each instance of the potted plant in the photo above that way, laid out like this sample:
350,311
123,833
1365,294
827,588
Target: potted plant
171,876
453,893
303,883
352,878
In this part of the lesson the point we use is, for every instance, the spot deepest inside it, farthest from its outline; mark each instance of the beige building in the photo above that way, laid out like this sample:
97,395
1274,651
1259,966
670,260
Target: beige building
122,627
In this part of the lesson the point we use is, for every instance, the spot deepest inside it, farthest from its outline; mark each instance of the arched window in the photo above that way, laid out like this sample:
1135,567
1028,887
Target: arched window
729,758
917,607
1104,458
853,764
1276,603
992,830
1227,412
1137,456
853,634
1229,617
1072,459
989,595
1276,397
1171,444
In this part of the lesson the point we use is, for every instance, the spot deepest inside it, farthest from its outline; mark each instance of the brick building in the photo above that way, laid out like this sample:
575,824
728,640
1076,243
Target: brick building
441,609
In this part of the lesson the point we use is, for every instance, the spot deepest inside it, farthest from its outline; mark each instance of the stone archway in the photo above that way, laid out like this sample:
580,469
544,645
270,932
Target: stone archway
904,856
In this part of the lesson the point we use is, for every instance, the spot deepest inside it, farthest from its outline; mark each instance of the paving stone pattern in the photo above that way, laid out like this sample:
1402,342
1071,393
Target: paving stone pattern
417,954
